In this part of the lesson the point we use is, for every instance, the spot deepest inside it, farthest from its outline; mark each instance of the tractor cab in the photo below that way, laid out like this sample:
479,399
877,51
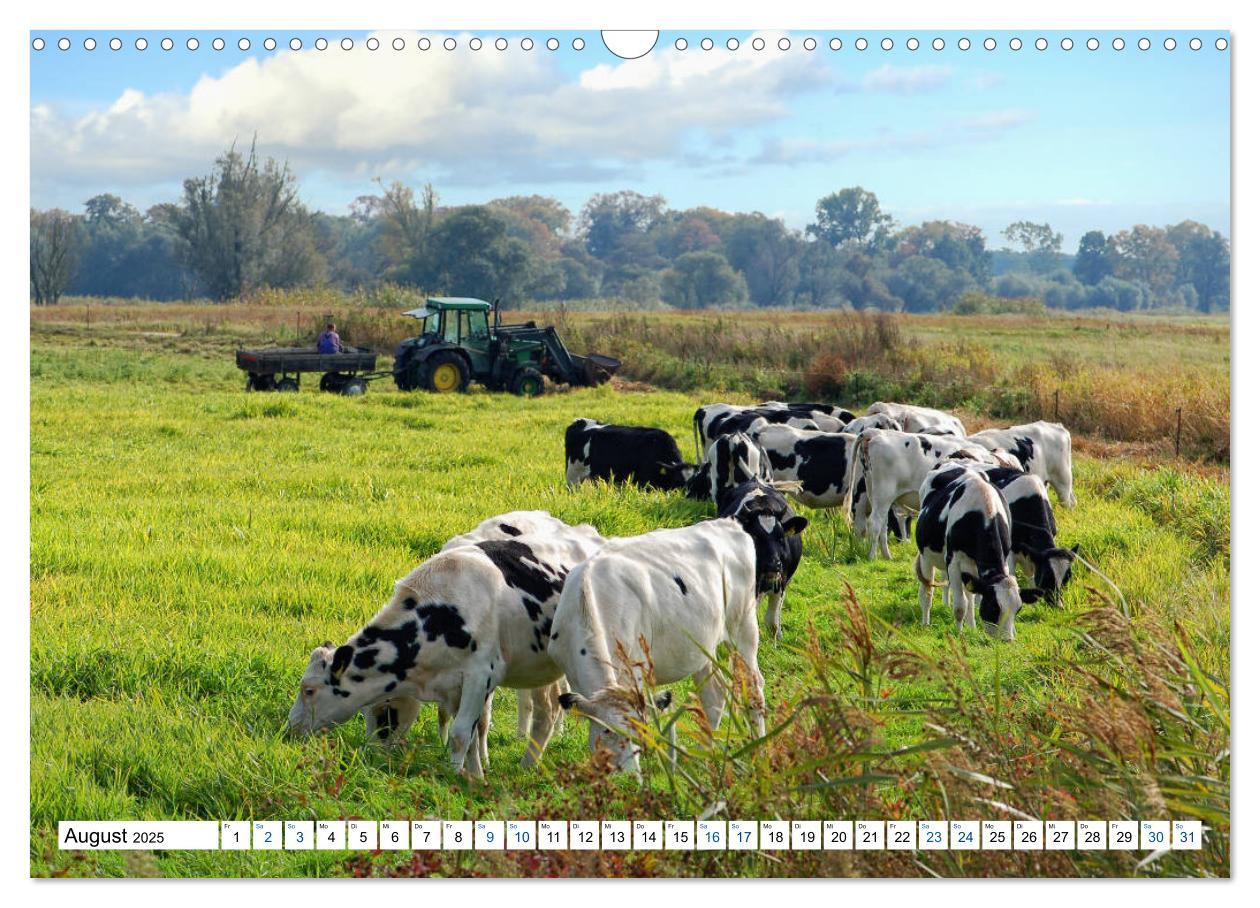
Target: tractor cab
459,342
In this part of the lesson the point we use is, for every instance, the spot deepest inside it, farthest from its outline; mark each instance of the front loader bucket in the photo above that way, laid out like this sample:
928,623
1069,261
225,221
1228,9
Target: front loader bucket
594,369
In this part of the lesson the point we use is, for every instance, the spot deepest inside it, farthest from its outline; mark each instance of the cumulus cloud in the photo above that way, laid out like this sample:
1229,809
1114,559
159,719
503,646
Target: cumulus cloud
485,117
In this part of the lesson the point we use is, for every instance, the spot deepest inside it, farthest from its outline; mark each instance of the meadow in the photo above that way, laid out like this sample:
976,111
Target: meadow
191,543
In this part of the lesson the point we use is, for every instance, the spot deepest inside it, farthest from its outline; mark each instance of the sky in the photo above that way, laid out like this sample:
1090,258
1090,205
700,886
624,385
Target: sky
1078,138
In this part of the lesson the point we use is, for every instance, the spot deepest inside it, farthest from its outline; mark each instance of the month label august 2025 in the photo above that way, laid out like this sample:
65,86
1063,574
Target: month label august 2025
637,835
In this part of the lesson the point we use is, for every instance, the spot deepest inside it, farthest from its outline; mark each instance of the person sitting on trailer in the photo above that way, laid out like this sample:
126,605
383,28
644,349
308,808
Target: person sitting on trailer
329,341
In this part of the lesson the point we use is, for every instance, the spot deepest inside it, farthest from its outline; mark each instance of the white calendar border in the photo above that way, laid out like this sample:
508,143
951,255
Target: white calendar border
993,14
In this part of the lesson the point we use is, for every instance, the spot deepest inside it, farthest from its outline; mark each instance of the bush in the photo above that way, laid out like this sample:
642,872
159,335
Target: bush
973,302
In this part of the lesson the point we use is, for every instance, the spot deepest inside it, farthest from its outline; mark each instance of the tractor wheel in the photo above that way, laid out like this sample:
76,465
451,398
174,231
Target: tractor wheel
526,382
287,384
354,387
446,372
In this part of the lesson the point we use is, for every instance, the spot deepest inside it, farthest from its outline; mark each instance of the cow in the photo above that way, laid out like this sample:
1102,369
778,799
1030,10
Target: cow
819,461
390,719
712,421
679,594
467,620
1032,523
964,530
760,498
894,465
644,456
731,460
919,419
879,421
1042,448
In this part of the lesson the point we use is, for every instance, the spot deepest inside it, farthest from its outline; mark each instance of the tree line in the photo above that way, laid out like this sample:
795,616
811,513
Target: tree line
243,227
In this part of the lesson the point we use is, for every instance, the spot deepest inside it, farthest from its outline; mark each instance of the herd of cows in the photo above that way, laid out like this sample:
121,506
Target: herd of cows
573,620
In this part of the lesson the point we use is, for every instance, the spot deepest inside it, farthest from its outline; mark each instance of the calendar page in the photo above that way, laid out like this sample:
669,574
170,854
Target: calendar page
535,452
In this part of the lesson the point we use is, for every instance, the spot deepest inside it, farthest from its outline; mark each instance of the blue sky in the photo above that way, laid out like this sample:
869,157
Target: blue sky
1078,138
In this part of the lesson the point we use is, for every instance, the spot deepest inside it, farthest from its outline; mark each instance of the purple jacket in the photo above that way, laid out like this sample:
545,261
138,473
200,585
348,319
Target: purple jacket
329,342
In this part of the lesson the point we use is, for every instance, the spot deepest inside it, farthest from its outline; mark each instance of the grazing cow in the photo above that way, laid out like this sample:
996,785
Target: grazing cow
645,456
879,421
464,622
390,719
731,460
964,529
759,498
819,461
1042,448
1032,523
679,594
919,419
713,421
894,465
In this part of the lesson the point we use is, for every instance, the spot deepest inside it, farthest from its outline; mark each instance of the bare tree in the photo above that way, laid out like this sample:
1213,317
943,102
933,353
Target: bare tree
54,253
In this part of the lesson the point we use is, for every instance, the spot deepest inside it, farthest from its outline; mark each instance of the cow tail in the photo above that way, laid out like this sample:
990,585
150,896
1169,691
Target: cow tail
851,477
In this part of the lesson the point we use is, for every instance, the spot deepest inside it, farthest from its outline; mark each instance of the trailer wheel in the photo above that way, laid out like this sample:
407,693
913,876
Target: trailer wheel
354,387
526,382
260,382
446,372
333,382
287,384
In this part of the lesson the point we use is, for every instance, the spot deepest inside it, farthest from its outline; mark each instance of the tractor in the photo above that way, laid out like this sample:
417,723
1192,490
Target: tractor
463,340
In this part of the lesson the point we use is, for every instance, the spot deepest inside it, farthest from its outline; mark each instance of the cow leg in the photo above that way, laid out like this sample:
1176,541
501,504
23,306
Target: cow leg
712,695
483,732
524,712
958,595
478,686
744,641
925,575
774,609
444,720
545,703
876,526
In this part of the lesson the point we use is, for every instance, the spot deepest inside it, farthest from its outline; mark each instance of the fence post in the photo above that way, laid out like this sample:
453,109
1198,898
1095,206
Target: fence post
1178,442
1056,404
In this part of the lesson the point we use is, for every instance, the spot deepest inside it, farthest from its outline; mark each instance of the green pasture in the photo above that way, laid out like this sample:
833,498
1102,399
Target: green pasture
190,543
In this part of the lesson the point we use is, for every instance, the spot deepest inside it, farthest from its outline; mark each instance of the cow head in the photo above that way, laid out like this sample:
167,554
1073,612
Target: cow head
1000,601
332,690
698,486
617,717
1052,569
674,475
770,523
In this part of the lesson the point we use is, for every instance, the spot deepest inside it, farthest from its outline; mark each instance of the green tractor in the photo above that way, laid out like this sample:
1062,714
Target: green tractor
459,342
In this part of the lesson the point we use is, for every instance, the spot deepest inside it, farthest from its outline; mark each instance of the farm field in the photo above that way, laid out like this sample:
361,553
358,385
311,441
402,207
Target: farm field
192,543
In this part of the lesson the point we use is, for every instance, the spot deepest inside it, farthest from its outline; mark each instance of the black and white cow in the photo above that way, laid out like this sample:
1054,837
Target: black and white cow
820,461
894,465
466,621
880,421
712,421
731,460
762,500
390,719
1033,527
964,530
641,455
919,419
679,593
1042,448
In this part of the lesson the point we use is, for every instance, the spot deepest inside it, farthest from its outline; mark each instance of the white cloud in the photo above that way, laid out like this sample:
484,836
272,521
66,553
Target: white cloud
485,117
981,128
907,80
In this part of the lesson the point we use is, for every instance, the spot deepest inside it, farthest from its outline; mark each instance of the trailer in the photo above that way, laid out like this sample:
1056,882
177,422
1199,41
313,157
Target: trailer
281,369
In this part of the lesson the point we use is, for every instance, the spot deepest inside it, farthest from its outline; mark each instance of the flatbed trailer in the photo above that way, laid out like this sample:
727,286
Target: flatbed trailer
281,369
